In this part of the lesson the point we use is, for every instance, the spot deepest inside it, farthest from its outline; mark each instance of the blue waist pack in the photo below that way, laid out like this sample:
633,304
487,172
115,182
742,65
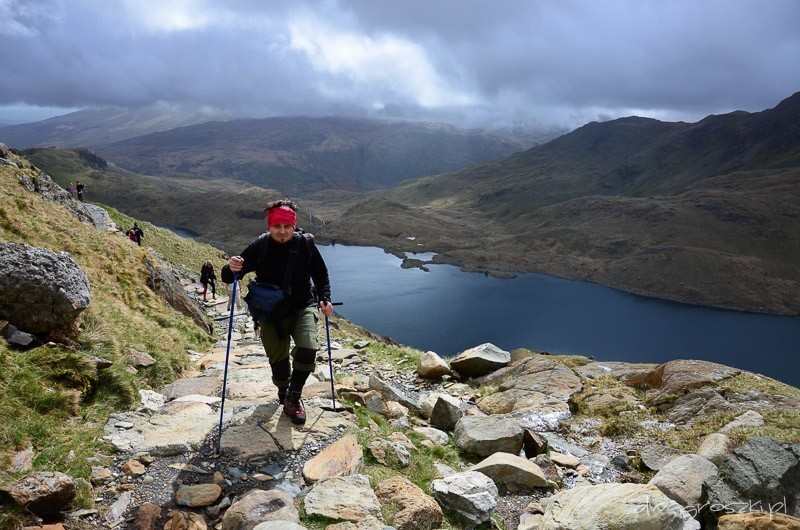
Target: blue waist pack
263,297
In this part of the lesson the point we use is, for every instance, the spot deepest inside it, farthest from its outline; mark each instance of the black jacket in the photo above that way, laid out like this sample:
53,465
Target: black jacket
268,260
207,273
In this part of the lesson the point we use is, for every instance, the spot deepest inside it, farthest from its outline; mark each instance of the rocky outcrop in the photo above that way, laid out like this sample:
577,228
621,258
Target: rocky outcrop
43,493
761,473
319,466
480,360
618,506
37,181
163,281
41,292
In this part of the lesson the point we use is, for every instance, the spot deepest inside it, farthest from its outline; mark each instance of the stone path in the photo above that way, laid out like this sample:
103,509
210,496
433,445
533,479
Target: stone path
174,433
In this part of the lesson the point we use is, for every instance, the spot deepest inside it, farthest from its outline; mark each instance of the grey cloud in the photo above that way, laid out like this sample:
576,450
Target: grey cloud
516,61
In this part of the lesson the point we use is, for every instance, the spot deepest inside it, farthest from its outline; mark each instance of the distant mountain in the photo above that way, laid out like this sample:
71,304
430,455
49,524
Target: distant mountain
304,155
91,127
633,156
705,212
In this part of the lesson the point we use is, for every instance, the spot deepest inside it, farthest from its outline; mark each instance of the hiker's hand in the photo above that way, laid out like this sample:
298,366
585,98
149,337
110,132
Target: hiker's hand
235,263
326,308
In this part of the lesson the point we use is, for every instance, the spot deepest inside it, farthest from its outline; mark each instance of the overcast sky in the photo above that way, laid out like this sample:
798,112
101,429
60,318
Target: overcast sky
469,62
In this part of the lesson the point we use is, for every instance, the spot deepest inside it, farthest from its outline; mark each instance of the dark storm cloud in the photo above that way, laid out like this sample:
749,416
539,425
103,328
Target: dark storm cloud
466,61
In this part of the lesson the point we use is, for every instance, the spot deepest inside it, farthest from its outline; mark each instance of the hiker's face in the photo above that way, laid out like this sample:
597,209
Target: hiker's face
281,233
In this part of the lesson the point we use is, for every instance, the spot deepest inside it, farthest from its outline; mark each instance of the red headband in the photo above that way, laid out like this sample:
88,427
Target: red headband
281,215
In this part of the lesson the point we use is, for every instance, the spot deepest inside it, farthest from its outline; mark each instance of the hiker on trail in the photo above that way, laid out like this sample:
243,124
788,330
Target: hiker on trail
207,277
289,259
79,187
131,235
71,190
138,233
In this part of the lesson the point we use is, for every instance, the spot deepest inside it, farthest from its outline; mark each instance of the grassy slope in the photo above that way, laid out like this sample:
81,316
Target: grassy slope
53,398
227,214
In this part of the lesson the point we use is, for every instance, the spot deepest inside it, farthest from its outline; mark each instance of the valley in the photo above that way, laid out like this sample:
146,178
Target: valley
705,213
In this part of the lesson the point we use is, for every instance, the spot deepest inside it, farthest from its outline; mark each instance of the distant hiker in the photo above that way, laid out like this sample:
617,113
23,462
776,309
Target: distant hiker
138,232
289,259
79,187
207,277
71,190
131,235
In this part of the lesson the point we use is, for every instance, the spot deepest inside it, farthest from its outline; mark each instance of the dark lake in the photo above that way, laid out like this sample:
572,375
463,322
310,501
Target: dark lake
448,311
183,232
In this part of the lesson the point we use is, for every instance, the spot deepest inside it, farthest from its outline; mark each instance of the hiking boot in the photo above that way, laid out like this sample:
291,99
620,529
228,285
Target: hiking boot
293,407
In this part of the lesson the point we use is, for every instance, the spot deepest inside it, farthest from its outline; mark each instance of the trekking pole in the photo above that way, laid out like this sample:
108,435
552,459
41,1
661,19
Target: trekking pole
330,361
227,352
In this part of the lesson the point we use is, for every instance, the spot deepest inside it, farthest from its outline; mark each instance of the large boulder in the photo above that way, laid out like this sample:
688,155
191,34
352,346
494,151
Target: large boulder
164,281
259,506
682,479
480,360
415,509
761,473
505,468
343,457
486,435
41,292
618,506
446,413
471,493
431,366
347,498
43,493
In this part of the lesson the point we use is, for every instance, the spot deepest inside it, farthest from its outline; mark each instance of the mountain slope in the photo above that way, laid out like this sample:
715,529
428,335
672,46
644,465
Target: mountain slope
54,399
225,213
706,213
94,126
303,155
629,156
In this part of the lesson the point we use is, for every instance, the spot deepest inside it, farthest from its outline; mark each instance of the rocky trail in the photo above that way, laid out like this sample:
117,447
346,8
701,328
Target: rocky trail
530,460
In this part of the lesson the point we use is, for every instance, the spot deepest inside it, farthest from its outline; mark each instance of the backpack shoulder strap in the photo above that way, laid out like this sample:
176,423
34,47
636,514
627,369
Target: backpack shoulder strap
287,275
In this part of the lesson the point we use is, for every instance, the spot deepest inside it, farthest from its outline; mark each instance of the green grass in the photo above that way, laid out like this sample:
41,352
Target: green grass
54,398
627,421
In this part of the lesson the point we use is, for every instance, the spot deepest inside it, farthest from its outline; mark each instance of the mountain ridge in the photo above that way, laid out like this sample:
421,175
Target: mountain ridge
699,213
704,213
